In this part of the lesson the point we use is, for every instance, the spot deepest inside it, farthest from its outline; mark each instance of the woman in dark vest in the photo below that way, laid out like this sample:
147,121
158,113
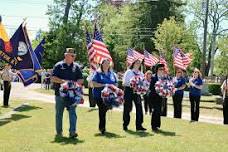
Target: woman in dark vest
130,96
102,78
196,84
155,98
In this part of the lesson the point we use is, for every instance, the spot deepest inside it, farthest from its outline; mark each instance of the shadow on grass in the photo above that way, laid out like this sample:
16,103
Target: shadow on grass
26,107
4,122
165,133
66,140
139,133
108,135
92,109
14,117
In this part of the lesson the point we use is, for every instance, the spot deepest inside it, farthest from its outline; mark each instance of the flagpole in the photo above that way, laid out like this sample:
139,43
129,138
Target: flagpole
174,69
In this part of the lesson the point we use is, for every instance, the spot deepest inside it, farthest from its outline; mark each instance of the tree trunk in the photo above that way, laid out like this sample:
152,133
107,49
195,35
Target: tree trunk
67,10
213,50
208,63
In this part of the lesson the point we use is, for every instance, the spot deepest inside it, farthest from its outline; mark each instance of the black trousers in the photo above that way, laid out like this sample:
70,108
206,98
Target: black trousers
195,102
147,104
129,96
102,109
164,107
156,114
225,110
6,92
92,102
177,105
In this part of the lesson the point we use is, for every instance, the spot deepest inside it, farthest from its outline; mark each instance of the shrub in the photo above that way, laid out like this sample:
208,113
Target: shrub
214,88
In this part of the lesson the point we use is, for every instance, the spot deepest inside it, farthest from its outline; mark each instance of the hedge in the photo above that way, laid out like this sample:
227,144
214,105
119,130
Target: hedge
214,88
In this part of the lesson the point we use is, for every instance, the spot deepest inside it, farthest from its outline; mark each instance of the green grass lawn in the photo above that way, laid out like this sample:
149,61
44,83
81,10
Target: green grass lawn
40,90
31,129
206,106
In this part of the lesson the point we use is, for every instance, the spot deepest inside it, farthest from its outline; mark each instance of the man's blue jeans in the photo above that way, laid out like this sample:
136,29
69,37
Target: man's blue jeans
59,107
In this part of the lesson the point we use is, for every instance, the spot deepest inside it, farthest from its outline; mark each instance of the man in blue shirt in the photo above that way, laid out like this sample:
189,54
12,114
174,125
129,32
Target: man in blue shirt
63,71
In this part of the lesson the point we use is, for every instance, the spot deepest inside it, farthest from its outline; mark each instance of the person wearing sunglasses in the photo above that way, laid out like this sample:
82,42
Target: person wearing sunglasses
196,85
156,100
63,71
130,96
180,84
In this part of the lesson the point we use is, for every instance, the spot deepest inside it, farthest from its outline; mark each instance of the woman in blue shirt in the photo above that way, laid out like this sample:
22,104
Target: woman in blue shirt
101,78
196,85
130,96
180,84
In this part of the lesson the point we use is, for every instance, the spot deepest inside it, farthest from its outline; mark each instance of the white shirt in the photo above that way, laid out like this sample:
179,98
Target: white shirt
130,74
224,91
7,75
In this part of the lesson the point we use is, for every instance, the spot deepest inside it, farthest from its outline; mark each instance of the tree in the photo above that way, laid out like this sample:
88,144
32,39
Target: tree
221,61
151,13
171,33
118,27
66,30
218,11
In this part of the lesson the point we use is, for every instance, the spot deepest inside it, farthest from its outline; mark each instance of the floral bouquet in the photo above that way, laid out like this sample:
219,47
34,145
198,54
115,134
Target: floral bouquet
72,92
139,85
165,87
112,96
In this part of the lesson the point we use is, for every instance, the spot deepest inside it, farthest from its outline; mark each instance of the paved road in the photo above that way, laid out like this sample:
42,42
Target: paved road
27,93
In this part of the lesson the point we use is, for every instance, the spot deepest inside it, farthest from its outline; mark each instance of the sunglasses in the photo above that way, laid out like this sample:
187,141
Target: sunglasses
161,69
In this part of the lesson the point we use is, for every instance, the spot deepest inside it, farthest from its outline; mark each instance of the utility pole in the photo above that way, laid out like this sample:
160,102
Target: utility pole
203,59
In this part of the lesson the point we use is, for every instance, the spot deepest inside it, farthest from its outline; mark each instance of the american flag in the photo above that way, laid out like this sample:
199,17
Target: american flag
163,61
132,55
100,49
149,60
181,60
91,52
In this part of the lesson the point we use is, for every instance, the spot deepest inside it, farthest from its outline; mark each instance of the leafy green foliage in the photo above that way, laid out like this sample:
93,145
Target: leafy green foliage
172,34
214,88
66,30
221,61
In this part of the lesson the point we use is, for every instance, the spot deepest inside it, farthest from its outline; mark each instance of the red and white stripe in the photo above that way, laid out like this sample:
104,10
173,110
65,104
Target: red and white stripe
136,56
163,61
150,60
100,51
178,61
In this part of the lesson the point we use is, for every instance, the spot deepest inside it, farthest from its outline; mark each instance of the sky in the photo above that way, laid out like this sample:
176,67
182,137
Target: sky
13,13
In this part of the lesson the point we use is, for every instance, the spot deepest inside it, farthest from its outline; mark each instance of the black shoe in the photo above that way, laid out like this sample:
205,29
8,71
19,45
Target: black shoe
155,129
125,128
73,135
58,135
102,131
141,129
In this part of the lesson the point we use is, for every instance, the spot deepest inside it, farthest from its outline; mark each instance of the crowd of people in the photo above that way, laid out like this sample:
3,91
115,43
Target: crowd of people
154,104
